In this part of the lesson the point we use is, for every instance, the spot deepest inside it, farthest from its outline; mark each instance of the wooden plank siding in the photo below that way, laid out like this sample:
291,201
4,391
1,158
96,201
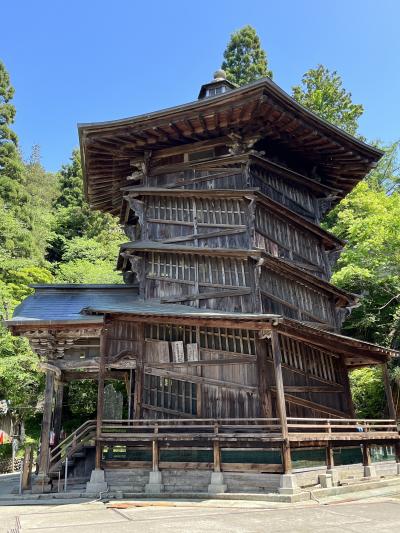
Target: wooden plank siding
215,372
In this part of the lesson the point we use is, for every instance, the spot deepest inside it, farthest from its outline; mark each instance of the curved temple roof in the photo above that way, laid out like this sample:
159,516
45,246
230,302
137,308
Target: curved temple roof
260,107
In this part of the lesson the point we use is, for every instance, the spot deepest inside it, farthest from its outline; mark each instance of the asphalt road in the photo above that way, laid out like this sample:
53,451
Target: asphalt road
378,515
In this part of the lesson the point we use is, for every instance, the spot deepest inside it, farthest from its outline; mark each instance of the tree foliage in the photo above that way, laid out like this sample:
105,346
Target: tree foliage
368,392
322,92
244,59
47,233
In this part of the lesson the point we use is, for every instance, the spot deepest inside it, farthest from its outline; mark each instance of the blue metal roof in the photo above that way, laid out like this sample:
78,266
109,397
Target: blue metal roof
88,303
64,303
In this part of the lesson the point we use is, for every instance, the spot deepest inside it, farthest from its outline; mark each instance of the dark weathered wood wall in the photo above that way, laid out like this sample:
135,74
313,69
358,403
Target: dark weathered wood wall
197,371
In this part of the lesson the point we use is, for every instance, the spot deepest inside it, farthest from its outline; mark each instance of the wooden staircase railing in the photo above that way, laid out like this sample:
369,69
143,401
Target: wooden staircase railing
71,444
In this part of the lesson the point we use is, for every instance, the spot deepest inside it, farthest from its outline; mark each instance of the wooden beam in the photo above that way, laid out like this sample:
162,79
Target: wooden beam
206,295
197,379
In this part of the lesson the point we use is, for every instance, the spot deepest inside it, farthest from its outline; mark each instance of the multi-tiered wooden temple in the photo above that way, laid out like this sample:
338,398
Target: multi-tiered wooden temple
226,331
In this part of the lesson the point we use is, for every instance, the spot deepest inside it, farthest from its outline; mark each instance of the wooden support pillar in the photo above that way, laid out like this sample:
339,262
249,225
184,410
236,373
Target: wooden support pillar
58,411
155,456
280,401
347,391
100,396
329,457
217,456
46,424
388,392
139,375
366,455
264,388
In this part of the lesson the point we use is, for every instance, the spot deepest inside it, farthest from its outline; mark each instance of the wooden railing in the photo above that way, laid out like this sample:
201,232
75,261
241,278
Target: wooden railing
73,443
334,428
309,431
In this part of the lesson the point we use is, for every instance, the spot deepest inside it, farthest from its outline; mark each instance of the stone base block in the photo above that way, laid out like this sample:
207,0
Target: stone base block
335,476
325,481
398,469
217,485
41,484
370,471
288,484
154,486
97,482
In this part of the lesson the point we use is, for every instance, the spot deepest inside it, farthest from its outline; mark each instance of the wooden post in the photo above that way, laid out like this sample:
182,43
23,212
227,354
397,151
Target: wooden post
58,411
347,391
329,451
100,396
264,389
217,456
366,455
388,392
155,456
26,468
139,375
280,401
329,457
46,424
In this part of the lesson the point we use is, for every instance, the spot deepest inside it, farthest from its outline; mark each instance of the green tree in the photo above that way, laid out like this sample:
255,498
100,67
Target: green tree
368,392
368,219
13,194
80,232
322,92
21,382
244,59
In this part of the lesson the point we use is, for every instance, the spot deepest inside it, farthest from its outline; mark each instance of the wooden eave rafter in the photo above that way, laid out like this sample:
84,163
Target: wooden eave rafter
260,107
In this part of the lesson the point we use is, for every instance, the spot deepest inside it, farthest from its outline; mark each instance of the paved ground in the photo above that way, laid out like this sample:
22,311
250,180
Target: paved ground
380,515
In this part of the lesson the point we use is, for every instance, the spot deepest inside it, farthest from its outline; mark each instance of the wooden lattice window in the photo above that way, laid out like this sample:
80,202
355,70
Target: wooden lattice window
173,266
220,212
207,211
223,271
172,394
228,340
168,208
170,332
307,359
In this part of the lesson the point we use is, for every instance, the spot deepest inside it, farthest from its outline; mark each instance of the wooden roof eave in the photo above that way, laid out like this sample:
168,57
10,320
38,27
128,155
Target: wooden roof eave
256,92
351,349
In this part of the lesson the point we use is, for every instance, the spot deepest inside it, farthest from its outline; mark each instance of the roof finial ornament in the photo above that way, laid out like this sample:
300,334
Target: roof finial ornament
219,75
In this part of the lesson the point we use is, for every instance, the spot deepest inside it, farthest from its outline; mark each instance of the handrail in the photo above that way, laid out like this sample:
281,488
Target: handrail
210,428
71,443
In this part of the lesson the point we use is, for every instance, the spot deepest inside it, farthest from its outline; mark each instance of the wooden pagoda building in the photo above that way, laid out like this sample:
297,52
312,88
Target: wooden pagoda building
226,330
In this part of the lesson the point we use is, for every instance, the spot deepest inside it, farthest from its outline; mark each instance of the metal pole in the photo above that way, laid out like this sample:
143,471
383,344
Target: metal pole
66,474
59,481
20,480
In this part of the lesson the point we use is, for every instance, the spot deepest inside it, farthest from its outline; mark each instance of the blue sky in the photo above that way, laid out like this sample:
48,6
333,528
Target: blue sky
89,60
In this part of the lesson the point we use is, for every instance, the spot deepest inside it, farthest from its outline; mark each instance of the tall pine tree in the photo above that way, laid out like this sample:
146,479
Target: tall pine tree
244,59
